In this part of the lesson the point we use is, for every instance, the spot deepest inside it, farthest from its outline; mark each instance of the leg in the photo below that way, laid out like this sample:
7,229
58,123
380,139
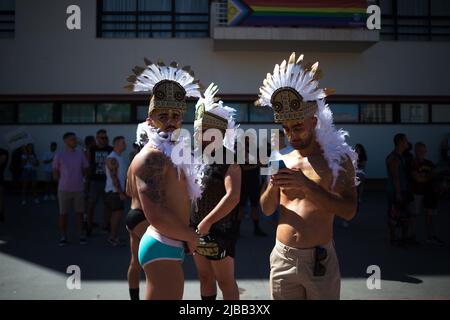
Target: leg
224,273
164,279
284,282
79,210
134,269
64,205
63,224
206,276
115,220
92,201
2,204
328,286
429,224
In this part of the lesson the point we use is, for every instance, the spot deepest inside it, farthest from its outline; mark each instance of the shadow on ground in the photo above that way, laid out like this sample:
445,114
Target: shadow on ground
30,234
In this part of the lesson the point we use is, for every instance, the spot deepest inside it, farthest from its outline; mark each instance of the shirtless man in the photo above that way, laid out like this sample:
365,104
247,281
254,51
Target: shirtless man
159,187
135,222
309,193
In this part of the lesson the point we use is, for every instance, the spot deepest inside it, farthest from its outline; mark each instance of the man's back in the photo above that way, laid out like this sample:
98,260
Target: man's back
157,180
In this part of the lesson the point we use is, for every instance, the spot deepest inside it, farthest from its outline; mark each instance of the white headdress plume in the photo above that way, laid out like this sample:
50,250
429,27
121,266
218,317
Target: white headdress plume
292,90
212,113
145,79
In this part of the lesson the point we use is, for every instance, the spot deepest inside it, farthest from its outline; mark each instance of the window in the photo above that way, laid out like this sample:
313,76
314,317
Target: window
241,111
141,112
345,112
35,112
415,20
413,113
7,18
78,113
376,113
153,18
440,113
261,114
113,113
6,113
189,115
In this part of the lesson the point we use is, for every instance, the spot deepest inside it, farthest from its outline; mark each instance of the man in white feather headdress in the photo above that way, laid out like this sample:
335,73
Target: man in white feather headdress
165,190
317,184
216,214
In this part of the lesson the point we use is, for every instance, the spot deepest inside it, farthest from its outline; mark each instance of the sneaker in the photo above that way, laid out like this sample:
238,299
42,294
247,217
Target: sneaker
113,242
435,241
83,240
63,242
36,201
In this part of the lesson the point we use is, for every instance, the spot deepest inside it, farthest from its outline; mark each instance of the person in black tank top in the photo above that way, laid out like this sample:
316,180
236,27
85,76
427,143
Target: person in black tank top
215,214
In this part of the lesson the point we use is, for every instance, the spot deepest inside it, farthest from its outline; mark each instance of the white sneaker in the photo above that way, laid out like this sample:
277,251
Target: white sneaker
345,224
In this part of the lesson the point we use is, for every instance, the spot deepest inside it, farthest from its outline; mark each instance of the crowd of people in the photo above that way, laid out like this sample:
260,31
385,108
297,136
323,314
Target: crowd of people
413,188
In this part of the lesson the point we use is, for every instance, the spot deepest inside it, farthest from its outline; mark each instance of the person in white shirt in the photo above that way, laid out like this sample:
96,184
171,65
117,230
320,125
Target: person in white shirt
116,171
50,184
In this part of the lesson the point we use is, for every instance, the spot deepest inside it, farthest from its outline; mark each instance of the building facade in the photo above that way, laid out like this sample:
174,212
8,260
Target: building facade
54,80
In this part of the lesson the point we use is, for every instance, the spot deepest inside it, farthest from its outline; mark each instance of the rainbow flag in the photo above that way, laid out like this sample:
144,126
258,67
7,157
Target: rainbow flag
297,13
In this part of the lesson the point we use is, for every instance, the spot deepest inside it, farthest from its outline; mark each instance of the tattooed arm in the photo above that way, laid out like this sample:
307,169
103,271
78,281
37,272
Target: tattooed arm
113,166
151,169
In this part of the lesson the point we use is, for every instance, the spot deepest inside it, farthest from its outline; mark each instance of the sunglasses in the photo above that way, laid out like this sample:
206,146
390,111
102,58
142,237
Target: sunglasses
320,255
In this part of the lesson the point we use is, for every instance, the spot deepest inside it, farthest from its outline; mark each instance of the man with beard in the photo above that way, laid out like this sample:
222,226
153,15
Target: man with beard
317,184
164,190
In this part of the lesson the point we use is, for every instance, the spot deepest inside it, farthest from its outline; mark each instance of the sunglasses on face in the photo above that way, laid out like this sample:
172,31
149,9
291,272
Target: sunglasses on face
320,255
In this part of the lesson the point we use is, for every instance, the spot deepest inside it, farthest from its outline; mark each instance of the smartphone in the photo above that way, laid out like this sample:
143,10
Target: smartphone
281,164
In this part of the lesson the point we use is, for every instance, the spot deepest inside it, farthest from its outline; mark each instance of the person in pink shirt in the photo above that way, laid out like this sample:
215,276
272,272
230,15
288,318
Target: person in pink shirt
69,168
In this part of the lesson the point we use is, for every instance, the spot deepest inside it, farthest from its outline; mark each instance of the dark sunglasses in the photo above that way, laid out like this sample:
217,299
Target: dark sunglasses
320,255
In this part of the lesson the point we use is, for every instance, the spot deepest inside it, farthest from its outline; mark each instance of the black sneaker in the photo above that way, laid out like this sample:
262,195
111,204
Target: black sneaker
113,242
83,240
63,242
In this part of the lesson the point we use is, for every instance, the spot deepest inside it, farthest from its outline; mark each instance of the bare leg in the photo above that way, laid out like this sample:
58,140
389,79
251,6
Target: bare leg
165,280
224,272
206,276
134,270
79,222
63,224
429,224
115,220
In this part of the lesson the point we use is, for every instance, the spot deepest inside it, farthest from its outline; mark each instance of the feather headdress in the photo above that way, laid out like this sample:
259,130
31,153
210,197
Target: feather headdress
294,94
210,112
169,85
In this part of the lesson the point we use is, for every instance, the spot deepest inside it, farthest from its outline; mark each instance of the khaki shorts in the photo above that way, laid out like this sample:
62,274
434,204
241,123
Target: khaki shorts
68,200
292,274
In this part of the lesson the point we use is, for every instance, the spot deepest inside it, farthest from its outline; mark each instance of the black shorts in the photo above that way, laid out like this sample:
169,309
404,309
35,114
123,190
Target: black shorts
133,218
113,201
228,240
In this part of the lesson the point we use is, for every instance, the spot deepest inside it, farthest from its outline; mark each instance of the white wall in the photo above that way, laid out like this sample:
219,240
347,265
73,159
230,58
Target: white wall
46,58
